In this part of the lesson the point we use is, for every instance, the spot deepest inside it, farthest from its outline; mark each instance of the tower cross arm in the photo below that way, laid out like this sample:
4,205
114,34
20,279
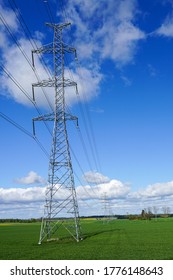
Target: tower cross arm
71,118
53,82
45,83
70,50
44,49
46,117
58,25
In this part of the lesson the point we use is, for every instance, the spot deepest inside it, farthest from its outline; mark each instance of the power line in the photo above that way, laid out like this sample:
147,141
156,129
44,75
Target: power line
25,56
88,123
90,138
16,125
63,11
49,12
22,129
86,116
14,40
27,32
92,146
9,75
81,169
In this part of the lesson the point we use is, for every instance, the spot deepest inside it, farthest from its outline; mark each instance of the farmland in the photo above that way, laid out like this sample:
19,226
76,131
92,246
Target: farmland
116,240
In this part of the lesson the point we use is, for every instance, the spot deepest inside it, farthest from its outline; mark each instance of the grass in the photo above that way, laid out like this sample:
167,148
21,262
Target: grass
116,240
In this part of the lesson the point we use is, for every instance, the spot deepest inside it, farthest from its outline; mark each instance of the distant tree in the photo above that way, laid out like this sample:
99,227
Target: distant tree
146,214
143,214
166,211
155,210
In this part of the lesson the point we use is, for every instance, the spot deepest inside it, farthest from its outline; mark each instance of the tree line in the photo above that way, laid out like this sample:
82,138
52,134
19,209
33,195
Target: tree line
152,212
32,220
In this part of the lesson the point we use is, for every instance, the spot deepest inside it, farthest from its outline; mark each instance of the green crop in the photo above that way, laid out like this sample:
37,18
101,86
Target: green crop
116,240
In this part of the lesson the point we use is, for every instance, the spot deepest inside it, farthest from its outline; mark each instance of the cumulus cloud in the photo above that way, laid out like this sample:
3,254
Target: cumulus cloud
92,177
114,189
21,195
123,38
109,29
31,178
166,29
28,202
158,190
9,18
16,58
88,84
110,32
17,61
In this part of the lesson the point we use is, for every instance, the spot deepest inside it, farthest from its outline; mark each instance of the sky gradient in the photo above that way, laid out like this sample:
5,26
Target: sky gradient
123,148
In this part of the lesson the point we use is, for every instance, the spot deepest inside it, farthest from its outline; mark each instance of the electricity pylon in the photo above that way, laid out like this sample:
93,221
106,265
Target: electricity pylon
106,207
61,207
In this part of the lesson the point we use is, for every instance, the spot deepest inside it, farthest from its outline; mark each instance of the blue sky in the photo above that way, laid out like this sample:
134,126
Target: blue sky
124,75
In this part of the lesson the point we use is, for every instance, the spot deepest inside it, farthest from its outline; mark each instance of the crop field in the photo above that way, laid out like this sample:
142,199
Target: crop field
116,240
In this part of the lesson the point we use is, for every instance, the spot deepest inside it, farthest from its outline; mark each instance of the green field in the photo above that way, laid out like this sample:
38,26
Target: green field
116,240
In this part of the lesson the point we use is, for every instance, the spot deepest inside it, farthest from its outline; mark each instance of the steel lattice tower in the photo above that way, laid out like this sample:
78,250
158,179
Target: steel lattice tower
61,207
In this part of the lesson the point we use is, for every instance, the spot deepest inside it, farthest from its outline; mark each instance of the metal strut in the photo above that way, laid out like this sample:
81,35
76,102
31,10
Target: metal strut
61,214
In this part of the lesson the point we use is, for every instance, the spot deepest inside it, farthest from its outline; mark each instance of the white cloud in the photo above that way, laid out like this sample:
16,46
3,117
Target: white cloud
114,189
29,202
31,178
123,38
2,39
20,68
88,82
99,34
158,190
21,195
17,60
92,177
166,29
9,18
109,29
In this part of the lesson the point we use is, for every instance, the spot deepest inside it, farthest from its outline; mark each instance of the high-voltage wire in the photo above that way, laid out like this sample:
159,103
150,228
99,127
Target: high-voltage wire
27,32
27,59
90,137
22,129
24,26
16,125
87,124
25,56
81,169
9,75
49,12
92,146
87,121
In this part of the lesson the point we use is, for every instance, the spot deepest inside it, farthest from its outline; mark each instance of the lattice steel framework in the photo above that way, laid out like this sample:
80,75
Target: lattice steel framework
61,207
